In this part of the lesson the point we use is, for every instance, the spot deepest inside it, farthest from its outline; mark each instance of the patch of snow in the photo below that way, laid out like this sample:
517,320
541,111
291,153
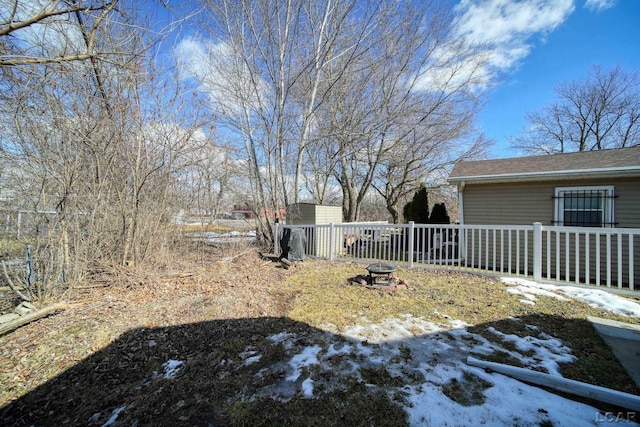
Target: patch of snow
548,352
250,360
307,388
284,338
338,349
309,356
171,368
507,403
231,237
247,352
522,287
605,300
458,324
596,298
250,356
428,356
393,329
114,416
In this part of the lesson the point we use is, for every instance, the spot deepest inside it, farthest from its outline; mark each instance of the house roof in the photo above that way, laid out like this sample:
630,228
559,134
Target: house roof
619,162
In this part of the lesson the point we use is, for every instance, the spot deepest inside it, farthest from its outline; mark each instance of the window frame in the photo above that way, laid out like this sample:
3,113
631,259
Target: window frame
608,214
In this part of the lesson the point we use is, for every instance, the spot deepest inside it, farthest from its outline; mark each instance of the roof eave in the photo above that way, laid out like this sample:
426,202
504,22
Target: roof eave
548,176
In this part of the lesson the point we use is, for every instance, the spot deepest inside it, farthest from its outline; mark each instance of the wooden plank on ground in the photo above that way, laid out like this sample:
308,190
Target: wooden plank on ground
28,318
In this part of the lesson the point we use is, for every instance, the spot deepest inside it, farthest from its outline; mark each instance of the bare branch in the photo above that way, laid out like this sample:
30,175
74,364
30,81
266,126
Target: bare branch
10,26
597,112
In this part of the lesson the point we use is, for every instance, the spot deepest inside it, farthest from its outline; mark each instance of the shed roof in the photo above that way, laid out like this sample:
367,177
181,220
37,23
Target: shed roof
619,162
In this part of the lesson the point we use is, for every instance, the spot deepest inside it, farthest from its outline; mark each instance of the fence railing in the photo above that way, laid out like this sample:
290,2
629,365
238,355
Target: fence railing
578,255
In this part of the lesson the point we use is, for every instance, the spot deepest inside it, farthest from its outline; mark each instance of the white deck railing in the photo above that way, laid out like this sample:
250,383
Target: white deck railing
578,255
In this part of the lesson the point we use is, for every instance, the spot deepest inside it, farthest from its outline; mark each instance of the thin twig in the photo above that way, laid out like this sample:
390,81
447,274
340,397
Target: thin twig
11,285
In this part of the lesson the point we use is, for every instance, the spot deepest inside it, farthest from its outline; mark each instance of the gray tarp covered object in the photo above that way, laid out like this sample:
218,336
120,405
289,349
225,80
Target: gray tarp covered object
297,244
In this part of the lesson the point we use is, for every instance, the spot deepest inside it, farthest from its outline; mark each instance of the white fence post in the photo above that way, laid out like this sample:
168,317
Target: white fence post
462,245
537,252
332,240
603,254
410,249
276,240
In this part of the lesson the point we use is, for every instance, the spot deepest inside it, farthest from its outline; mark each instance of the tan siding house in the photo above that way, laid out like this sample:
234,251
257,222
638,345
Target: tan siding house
586,189
594,188
506,204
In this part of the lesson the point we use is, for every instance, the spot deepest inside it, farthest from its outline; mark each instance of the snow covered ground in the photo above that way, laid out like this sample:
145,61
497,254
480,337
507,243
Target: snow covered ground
437,387
230,237
594,297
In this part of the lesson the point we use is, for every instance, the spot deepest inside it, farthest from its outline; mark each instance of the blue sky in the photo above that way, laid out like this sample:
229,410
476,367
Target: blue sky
587,36
535,45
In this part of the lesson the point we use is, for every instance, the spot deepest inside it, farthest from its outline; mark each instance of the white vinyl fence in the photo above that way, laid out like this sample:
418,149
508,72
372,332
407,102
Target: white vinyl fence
577,255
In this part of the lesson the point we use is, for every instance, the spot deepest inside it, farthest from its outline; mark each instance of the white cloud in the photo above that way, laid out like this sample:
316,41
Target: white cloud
221,74
510,23
452,68
599,5
191,57
53,36
504,30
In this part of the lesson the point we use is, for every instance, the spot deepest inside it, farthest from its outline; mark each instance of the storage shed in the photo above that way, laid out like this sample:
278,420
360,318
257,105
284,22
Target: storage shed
309,213
322,215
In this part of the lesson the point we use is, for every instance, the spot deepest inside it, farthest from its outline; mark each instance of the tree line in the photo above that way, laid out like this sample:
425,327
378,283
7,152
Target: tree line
95,143
335,100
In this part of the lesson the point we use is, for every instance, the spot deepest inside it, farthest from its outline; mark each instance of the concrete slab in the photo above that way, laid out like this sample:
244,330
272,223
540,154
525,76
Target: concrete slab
624,340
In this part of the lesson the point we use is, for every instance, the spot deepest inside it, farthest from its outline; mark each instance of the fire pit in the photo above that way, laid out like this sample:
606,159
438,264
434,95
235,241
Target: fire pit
380,273
379,278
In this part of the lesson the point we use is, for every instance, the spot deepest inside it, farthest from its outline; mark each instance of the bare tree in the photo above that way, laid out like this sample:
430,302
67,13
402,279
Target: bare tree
600,111
266,78
414,163
93,146
414,109
28,27
321,96
57,108
207,176
318,171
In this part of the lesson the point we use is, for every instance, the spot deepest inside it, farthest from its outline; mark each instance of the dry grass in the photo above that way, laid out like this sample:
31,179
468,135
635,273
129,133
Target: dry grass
218,226
10,247
209,307
477,300
431,294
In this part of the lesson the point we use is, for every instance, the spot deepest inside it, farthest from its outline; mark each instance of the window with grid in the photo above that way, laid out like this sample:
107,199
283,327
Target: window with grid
584,206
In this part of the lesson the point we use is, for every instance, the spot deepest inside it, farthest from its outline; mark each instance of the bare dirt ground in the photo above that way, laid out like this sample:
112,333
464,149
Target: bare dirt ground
203,285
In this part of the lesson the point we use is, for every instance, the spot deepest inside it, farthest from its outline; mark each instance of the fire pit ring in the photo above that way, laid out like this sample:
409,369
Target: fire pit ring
380,270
